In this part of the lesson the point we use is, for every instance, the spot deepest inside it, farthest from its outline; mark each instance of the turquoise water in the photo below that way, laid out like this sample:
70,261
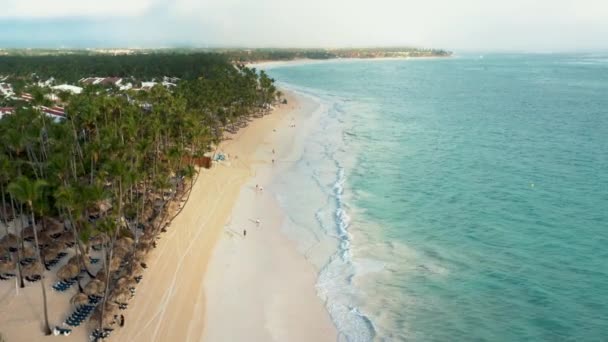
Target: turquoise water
461,199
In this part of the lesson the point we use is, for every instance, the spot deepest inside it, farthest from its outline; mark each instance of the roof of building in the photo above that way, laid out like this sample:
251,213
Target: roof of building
69,88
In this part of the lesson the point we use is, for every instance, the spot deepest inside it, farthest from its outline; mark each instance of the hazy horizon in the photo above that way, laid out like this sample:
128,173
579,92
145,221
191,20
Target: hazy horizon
465,26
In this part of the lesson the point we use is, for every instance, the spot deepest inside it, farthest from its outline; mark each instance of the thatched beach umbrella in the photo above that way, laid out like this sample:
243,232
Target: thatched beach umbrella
120,295
54,230
68,271
67,238
33,269
28,232
51,252
10,241
110,315
95,287
79,299
101,275
116,263
7,266
140,255
126,283
29,252
136,269
44,240
77,260
124,242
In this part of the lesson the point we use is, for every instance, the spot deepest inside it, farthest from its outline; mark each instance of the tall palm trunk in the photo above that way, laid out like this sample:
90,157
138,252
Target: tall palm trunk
47,328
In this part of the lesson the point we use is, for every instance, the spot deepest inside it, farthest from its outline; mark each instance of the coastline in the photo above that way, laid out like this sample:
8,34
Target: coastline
259,286
176,299
269,64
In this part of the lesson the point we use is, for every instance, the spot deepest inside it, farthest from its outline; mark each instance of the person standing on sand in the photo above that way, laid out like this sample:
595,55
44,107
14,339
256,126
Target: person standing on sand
122,320
244,232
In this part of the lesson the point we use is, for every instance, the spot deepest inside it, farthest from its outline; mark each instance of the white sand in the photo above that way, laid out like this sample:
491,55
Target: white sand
259,287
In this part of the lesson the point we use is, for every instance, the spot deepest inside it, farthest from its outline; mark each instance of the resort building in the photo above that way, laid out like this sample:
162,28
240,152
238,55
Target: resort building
6,90
69,88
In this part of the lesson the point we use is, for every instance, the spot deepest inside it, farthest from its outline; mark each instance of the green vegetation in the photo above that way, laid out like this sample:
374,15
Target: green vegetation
71,68
108,175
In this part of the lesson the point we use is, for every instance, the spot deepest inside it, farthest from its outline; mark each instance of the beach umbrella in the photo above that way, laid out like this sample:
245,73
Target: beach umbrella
55,230
79,299
68,271
66,238
136,269
32,269
10,241
29,252
77,259
120,251
139,255
51,252
7,266
101,275
28,232
95,287
110,315
44,240
120,295
115,263
126,283
124,242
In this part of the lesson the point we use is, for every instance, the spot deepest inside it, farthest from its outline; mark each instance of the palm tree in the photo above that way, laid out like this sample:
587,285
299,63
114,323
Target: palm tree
30,192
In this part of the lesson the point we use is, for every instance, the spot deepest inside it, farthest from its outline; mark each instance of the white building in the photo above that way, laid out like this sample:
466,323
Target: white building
69,88
6,90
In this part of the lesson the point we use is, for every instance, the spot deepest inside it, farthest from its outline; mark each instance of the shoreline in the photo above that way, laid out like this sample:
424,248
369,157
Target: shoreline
269,64
275,284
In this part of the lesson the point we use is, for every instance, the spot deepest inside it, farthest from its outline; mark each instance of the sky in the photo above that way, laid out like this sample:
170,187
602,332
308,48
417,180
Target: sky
460,25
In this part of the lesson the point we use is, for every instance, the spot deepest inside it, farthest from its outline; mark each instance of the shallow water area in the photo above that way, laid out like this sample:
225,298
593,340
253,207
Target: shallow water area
455,199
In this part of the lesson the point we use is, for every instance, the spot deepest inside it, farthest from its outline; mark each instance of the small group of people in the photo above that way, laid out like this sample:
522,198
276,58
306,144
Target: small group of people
259,188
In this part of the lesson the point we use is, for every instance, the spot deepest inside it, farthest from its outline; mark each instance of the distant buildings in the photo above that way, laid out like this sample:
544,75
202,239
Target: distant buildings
56,113
6,90
69,88
6,111
27,97
116,81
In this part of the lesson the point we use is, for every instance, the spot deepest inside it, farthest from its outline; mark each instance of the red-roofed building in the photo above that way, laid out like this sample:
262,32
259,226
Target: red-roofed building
56,112
6,111
27,97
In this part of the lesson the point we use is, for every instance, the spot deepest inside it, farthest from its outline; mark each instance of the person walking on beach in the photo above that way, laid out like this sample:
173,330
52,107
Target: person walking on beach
122,320
244,232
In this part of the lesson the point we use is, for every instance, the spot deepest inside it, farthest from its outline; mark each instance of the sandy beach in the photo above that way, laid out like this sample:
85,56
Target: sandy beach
206,281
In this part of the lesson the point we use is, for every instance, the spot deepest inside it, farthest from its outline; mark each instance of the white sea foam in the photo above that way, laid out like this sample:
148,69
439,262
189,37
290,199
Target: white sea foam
324,163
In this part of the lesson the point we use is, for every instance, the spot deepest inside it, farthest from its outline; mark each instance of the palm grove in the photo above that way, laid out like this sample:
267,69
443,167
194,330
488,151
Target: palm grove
108,178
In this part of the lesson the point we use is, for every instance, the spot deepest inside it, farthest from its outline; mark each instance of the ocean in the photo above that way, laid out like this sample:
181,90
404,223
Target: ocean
457,199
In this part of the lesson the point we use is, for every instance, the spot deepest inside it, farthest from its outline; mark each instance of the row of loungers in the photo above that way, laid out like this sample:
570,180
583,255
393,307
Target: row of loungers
64,285
7,276
80,315
54,262
34,278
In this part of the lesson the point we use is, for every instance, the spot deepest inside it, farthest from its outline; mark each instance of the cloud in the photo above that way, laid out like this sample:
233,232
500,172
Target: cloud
539,25
34,9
